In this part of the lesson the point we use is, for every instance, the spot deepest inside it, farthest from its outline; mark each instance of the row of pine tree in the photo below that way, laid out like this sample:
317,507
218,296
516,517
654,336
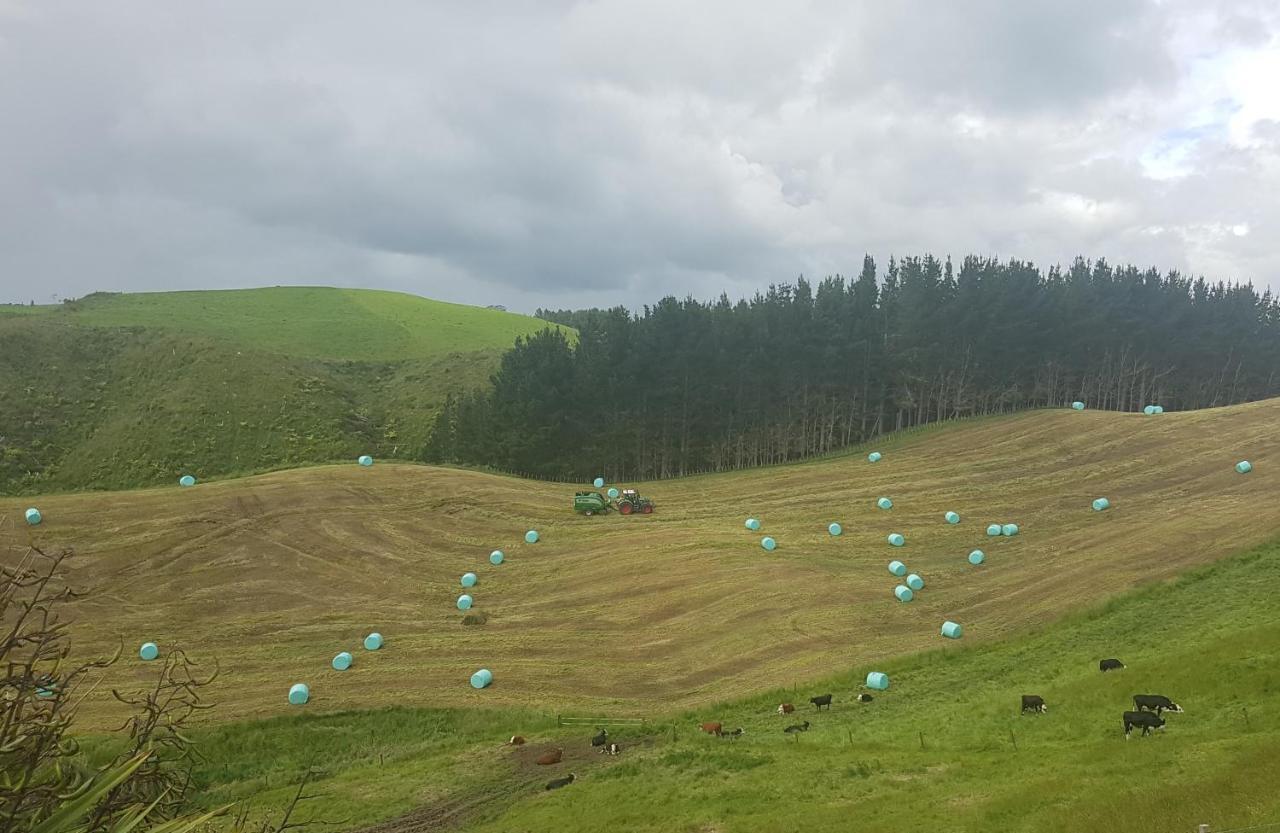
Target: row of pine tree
687,387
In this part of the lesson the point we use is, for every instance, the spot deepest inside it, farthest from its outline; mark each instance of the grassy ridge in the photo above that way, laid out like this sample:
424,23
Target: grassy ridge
1210,639
117,391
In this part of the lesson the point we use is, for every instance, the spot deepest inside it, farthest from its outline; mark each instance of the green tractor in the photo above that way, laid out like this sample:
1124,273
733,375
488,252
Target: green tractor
630,501
590,503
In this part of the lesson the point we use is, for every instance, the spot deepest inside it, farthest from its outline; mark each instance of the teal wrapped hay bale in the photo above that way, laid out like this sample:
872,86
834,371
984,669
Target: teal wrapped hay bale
468,580
915,582
977,557
884,503
365,460
1244,467
873,457
598,482
993,530
1159,409
835,529
951,518
497,557
186,480
752,524
1099,504
952,630
897,568
878,681
896,539
1149,410
148,651
1077,406
299,694
464,602
903,593
1009,530
531,537
481,678
613,493
342,661
373,642
768,543
33,516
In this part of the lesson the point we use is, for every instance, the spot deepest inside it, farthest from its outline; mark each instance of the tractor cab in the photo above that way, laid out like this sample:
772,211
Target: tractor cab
630,501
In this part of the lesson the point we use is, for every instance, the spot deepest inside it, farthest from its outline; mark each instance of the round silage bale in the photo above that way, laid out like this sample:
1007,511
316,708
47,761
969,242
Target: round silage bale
768,543
1149,410
33,516
531,537
904,593
481,678
342,661
468,580
1099,504
148,651
896,539
465,602
1009,530
835,529
915,582
299,694
1078,406
186,480
884,503
598,482
951,517
878,681
977,557
993,530
1244,467
752,524
952,630
365,460
873,457
373,641
897,568
497,557
613,493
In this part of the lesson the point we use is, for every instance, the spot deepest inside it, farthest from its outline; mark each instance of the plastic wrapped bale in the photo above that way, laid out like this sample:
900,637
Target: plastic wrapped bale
365,460
1159,409
915,582
903,593
33,516
342,661
896,539
768,543
952,630
468,580
299,694
951,518
531,537
878,681
465,602
373,642
873,457
1009,530
186,480
598,482
1149,410
1099,504
481,678
977,557
897,568
1077,406
835,529
1244,467
884,503
613,493
993,530
752,524
148,651
497,557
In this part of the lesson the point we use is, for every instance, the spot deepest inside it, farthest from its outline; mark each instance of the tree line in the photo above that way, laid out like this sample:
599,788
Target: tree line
686,386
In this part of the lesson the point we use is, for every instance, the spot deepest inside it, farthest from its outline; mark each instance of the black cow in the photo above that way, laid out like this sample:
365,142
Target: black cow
557,783
1146,720
1110,665
1155,702
819,702
865,698
1033,703
599,740
797,728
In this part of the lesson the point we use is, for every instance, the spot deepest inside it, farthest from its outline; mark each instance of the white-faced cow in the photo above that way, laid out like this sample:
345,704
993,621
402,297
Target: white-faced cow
1155,702
785,708
864,698
1033,703
1146,720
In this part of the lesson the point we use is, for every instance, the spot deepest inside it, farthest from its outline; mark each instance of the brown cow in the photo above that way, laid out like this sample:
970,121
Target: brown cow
548,758
712,728
786,708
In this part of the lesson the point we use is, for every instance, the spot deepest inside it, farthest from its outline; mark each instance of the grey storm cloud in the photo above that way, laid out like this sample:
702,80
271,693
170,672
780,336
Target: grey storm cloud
558,153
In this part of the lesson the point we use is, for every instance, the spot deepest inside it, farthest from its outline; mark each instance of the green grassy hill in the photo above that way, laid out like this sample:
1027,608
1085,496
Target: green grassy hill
116,391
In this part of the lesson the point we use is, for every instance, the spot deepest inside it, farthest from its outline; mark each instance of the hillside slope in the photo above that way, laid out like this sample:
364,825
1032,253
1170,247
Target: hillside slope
275,574
115,391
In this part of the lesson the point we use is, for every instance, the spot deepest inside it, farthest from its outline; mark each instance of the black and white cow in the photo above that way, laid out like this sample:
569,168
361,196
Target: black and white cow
865,698
1110,665
1155,702
820,701
610,749
557,783
1146,720
735,734
1033,703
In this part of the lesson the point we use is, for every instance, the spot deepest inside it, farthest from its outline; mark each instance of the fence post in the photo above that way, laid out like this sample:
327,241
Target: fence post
1013,738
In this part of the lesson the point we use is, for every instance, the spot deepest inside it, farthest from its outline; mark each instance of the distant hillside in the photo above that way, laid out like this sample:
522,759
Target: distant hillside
114,391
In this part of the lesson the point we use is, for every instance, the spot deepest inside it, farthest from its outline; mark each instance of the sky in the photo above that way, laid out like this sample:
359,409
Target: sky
563,154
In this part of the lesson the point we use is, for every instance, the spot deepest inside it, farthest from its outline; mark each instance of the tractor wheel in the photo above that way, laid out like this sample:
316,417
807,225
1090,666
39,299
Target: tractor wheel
648,509
625,509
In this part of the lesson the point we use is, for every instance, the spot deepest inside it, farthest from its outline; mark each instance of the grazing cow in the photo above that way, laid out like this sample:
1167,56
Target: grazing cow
600,738
711,728
1033,703
548,758
819,702
610,749
1155,702
1110,665
735,734
516,740
557,783
797,728
786,708
865,698
1146,720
